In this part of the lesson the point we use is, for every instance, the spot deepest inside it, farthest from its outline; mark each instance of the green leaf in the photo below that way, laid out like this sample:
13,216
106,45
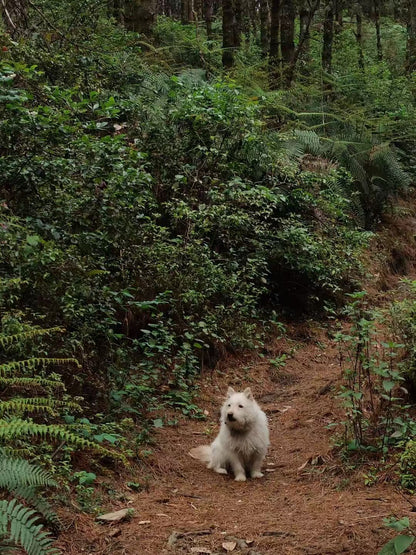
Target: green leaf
109,437
33,240
158,423
398,525
397,545
388,385
87,478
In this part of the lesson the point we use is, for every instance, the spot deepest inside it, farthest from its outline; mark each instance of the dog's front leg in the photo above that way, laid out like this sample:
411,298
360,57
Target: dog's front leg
255,471
238,469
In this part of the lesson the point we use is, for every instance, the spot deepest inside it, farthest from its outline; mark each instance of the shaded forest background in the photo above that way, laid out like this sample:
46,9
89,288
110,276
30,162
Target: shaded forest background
177,181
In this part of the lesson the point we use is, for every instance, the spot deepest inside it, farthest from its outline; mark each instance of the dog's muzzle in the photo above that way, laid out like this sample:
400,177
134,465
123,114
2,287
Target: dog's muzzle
230,417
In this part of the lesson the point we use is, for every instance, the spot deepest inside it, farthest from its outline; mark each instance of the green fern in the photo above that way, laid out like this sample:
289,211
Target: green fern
19,524
31,496
6,340
19,472
376,171
33,363
35,404
31,383
20,429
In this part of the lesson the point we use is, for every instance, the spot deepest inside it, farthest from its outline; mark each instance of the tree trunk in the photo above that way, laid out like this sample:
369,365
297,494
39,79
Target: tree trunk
303,23
328,37
252,4
376,6
208,13
290,71
339,21
411,37
14,14
274,43
359,36
238,21
185,11
140,16
287,31
264,26
228,33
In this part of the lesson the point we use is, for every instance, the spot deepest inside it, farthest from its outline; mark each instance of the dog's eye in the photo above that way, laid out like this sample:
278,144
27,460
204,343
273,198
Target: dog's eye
241,406
228,405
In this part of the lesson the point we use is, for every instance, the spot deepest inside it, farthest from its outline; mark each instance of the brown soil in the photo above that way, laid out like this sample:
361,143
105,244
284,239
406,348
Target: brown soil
307,503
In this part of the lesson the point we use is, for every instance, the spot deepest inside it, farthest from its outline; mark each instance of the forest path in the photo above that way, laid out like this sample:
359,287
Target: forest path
308,503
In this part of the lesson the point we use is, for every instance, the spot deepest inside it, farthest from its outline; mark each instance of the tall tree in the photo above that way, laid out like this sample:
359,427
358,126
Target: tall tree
411,37
186,11
376,12
274,41
303,39
338,14
228,33
287,31
140,15
359,32
328,36
208,14
265,26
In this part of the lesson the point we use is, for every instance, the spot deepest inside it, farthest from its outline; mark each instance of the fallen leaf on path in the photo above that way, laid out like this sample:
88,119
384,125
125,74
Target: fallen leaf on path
114,517
200,550
313,461
115,532
229,546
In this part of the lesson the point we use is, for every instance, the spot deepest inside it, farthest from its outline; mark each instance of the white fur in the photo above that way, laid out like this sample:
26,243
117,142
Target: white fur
243,439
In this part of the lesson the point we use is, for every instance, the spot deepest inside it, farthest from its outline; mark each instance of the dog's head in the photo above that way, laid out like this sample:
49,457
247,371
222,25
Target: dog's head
239,409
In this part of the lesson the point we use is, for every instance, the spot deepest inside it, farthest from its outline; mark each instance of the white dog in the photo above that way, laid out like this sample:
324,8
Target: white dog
242,441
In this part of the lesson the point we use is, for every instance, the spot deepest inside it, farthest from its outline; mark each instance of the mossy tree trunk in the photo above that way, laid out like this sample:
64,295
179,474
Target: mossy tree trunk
376,12
328,37
265,26
140,15
274,60
411,37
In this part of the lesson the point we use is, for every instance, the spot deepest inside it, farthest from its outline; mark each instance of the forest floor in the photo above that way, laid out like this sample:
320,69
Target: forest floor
309,502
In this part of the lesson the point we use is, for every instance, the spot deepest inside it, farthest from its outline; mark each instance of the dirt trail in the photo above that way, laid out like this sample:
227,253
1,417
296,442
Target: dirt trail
297,508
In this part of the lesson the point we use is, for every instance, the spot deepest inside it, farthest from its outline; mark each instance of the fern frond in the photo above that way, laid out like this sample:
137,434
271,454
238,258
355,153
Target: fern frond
20,524
310,141
17,429
387,168
6,340
35,404
30,495
32,363
19,472
31,383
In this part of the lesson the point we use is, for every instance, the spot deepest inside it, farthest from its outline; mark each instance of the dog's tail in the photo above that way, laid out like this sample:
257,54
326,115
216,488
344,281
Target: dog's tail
201,453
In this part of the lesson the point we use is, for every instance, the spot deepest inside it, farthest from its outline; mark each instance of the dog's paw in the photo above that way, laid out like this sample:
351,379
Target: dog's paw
257,474
220,471
240,478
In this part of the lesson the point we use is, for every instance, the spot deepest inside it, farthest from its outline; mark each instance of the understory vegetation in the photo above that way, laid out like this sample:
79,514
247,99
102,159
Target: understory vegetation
158,210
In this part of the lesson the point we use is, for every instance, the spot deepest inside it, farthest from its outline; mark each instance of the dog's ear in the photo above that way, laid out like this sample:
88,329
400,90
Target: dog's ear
230,392
247,392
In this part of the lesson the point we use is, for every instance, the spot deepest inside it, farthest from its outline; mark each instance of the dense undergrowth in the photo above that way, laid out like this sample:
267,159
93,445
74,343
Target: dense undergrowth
163,212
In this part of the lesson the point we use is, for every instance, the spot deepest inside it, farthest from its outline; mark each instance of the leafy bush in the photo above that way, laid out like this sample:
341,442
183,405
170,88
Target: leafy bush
159,226
373,392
